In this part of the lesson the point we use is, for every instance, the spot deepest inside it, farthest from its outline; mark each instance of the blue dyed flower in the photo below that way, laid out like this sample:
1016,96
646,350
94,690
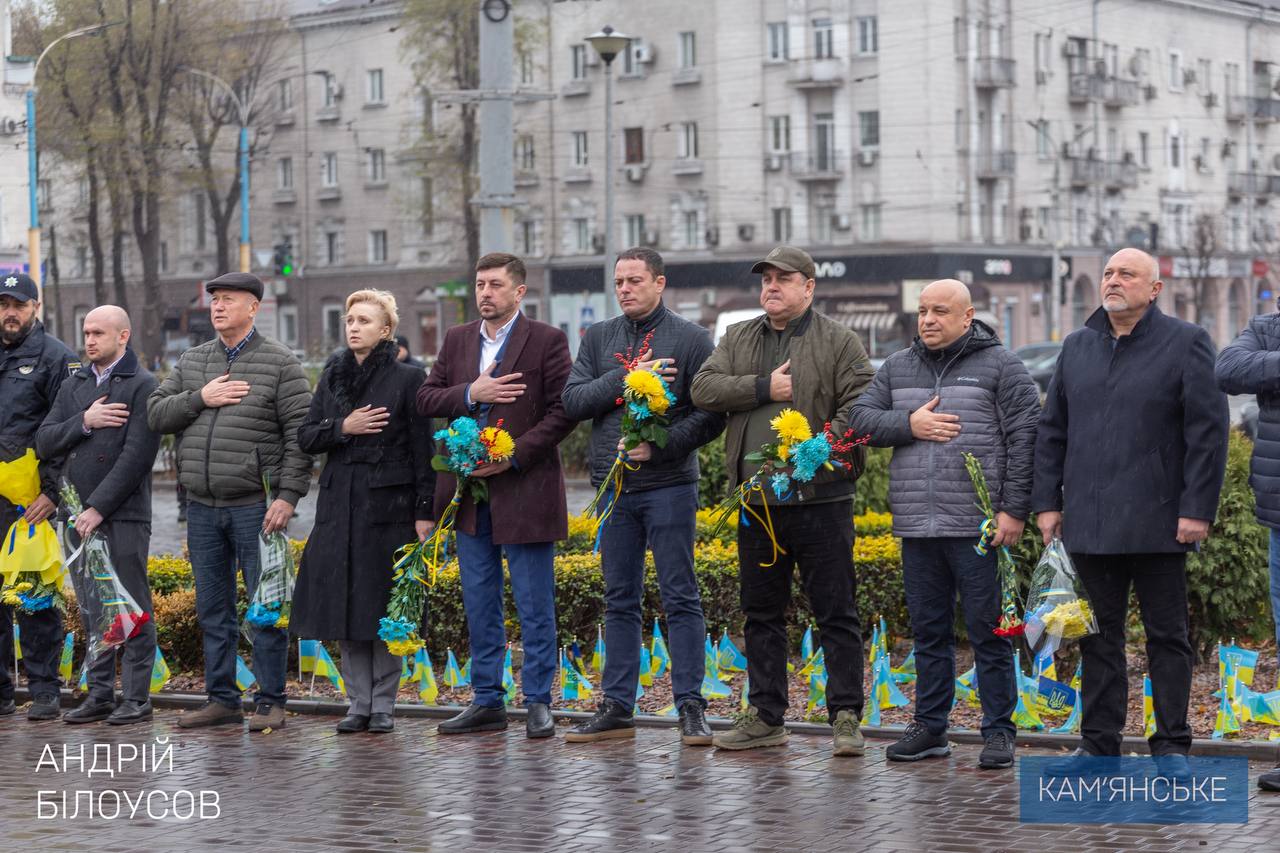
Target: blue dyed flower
639,411
31,604
263,615
808,456
462,445
391,630
781,485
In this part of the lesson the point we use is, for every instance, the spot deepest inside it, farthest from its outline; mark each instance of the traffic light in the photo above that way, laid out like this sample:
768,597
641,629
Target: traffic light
282,258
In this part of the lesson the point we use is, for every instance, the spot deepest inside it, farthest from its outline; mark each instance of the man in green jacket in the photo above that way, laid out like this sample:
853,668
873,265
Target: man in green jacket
238,401
793,357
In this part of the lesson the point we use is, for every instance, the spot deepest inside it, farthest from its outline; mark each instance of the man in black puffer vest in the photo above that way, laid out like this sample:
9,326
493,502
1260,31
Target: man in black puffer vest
659,500
955,390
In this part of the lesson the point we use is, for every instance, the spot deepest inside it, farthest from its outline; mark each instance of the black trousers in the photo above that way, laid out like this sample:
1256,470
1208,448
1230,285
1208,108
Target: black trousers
1160,581
819,541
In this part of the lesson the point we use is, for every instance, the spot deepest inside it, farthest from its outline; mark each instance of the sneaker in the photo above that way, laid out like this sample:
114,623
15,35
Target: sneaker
846,736
267,716
916,743
210,714
750,732
694,730
611,720
1270,781
44,707
997,751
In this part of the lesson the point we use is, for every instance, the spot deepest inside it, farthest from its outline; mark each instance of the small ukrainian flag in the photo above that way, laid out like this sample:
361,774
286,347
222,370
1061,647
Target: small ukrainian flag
244,676
159,672
327,668
428,690
307,655
68,649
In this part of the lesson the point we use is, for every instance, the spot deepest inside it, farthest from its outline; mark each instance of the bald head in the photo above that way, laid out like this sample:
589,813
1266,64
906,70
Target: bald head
946,313
1130,283
106,334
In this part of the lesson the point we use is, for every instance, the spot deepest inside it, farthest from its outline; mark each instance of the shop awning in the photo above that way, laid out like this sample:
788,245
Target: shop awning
879,321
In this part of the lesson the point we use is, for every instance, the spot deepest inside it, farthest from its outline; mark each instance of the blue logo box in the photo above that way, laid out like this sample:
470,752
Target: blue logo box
1091,789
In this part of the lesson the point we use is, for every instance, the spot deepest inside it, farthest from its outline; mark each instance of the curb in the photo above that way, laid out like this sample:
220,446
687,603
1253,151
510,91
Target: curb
1251,749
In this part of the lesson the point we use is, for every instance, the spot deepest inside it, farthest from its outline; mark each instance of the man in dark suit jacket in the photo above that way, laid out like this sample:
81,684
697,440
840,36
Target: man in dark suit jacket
98,431
510,368
1130,455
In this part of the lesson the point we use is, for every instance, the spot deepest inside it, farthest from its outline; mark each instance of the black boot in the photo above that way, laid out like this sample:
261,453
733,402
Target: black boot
694,730
610,721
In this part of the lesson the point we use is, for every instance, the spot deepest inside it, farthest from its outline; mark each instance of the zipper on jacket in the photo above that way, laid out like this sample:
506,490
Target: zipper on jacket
937,392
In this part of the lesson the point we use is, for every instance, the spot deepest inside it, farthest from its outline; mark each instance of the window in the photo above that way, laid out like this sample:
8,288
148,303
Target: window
331,317
330,91
289,325
578,57
780,134
1042,223
377,165
1142,57
164,256
82,261
633,143
284,173
1175,71
630,68
525,158
331,247
42,193
527,237
635,229
526,68
823,42
779,41
1230,79
688,50
1044,144
822,223
1204,76
1043,48
781,224
580,148
377,247
82,187
1144,149
687,140
329,169
201,220
582,236
870,225
428,220
373,87
869,129
284,95
692,233
868,35
1175,151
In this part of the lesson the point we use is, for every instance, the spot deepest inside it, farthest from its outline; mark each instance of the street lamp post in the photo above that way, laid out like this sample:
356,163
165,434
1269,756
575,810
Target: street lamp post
33,162
242,112
608,43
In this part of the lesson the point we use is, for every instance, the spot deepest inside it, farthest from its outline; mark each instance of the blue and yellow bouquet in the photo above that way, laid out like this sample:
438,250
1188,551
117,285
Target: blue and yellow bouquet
30,556
646,399
400,629
467,446
272,599
796,457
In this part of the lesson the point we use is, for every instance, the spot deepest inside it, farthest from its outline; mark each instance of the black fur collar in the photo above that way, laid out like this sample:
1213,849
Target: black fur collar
349,380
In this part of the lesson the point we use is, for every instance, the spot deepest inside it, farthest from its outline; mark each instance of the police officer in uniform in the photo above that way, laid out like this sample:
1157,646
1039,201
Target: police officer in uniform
33,365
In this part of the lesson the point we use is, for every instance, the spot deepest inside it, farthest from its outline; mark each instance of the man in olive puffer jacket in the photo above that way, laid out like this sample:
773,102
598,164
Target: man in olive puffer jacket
238,401
956,389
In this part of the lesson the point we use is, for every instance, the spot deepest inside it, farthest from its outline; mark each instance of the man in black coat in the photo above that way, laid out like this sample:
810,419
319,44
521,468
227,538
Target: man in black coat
33,365
1130,458
98,431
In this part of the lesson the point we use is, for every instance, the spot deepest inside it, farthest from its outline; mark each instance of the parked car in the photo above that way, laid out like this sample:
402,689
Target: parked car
1040,359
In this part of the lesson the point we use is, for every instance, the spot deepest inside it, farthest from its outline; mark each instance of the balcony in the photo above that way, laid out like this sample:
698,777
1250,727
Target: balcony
822,165
331,113
1235,107
992,165
285,118
1264,109
1256,184
994,72
575,88
687,166
686,76
1120,175
817,73
286,196
333,193
1086,172
577,175
526,178
1119,92
1083,88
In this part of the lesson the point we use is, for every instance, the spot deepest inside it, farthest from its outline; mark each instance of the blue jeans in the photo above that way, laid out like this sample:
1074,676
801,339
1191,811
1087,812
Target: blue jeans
1275,581
932,570
533,584
220,539
663,520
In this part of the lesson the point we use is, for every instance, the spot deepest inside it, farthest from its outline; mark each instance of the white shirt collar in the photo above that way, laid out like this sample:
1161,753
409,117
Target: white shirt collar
106,371
502,333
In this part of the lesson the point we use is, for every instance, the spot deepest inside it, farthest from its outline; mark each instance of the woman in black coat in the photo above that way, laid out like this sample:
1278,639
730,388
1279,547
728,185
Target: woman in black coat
375,496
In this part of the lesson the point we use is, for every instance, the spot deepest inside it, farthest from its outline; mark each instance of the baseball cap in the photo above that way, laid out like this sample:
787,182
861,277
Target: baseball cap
788,259
20,286
236,281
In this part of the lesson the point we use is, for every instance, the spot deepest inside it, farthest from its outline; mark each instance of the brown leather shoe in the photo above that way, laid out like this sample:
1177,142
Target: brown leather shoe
267,716
212,714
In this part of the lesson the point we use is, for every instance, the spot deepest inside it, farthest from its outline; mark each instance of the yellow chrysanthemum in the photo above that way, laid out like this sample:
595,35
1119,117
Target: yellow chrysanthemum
645,384
784,451
404,648
659,404
499,442
791,427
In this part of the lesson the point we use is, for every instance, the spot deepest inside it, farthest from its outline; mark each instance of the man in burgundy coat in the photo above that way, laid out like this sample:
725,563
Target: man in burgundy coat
510,368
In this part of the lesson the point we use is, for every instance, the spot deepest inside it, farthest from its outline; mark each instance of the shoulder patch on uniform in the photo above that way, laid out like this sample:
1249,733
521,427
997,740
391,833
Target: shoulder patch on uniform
72,367
26,369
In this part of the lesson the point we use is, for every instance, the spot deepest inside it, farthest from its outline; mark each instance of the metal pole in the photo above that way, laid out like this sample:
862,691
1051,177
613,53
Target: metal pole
244,197
33,179
608,190
496,194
